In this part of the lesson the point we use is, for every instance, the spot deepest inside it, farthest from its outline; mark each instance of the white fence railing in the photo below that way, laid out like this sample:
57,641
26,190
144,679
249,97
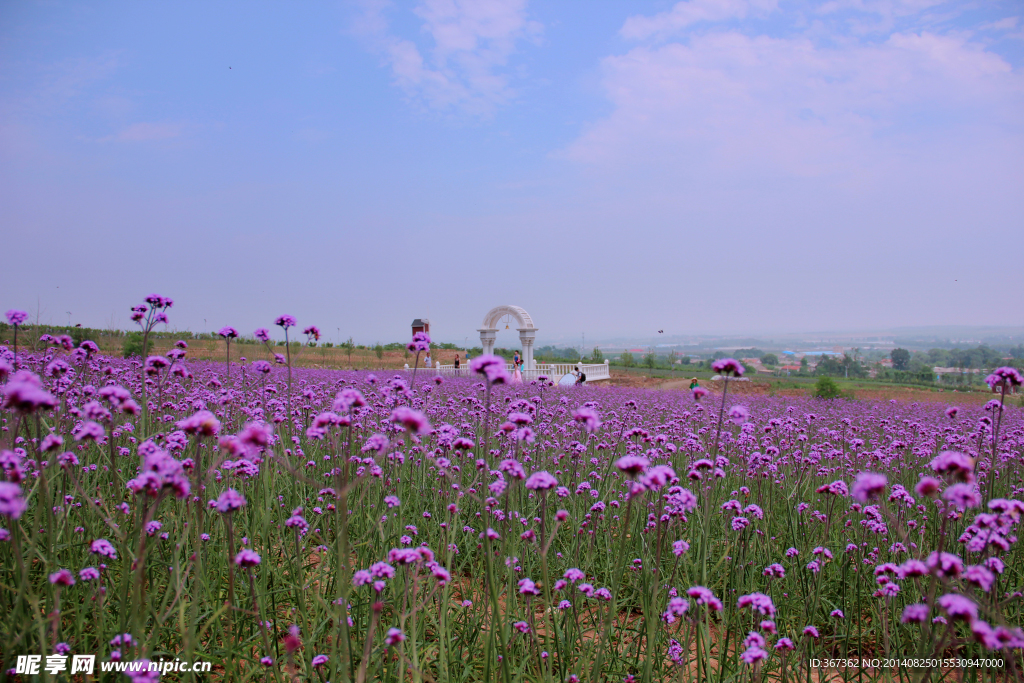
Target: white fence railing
553,371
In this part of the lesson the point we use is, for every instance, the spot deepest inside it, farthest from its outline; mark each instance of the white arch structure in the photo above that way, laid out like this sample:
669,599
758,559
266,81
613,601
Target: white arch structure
527,331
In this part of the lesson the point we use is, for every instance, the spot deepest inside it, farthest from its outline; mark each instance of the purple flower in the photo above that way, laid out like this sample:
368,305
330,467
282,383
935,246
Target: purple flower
574,575
382,570
1004,376
958,607
916,613
157,301
247,558
728,366
420,342
869,485
927,486
758,601
492,368
203,423
656,477
945,564
677,608
699,392
228,332
51,442
442,575
810,632
836,488
541,481
528,587
11,503
963,495
739,414
588,418
753,654
90,431
230,500
980,577
739,523
16,317
62,577
704,596
89,574
285,321
159,471
785,644
101,546
139,671
262,334
25,393
319,661
394,636
954,464
951,412
413,420
632,464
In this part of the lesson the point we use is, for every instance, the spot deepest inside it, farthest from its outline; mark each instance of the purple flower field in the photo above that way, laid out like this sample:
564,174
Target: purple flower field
313,525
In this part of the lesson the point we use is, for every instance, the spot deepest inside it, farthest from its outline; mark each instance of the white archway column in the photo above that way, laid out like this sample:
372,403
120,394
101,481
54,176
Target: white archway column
487,338
526,337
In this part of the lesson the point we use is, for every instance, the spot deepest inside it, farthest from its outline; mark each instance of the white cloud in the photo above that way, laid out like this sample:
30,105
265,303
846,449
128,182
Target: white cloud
472,42
689,12
56,86
1007,24
146,132
725,101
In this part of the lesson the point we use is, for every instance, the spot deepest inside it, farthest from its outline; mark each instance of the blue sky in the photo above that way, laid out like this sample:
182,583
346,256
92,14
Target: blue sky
615,168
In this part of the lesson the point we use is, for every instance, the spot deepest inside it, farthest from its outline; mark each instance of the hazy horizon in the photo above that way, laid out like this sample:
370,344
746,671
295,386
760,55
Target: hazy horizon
706,167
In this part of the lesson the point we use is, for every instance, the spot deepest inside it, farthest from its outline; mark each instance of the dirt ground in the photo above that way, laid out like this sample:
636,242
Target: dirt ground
769,387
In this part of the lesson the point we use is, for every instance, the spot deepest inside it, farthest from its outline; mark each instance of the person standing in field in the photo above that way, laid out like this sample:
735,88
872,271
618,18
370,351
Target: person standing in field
427,359
456,365
694,384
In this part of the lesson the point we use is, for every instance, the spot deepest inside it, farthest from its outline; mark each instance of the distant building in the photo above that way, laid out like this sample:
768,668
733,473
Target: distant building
420,325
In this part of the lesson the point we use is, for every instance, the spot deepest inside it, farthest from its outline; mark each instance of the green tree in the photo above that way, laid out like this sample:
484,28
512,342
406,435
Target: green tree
803,365
627,359
826,388
770,359
598,356
378,350
650,359
900,359
829,365
133,345
349,346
